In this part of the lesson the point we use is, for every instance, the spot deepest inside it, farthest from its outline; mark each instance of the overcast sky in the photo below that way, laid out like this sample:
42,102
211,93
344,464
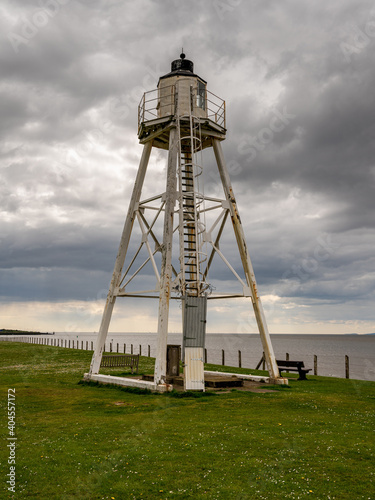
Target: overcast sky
298,79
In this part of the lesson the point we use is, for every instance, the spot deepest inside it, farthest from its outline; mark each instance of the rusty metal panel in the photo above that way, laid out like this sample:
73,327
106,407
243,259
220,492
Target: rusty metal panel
195,319
194,369
173,360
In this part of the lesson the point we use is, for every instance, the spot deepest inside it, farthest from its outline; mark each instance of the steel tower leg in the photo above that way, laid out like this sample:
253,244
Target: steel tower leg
166,262
246,262
120,259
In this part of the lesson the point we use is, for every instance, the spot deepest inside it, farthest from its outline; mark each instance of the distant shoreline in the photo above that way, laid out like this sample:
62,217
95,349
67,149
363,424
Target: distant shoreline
4,331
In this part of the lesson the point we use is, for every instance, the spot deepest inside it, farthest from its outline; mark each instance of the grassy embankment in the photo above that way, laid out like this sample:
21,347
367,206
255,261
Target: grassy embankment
312,439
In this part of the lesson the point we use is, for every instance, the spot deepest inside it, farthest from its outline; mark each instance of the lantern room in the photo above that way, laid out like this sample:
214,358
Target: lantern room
181,91
180,94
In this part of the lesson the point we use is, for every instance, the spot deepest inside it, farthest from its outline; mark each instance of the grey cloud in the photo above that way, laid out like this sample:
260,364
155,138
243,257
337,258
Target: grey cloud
73,89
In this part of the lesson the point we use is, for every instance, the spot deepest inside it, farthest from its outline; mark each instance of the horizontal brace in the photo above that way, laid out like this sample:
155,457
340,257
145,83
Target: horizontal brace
122,293
135,295
153,198
228,296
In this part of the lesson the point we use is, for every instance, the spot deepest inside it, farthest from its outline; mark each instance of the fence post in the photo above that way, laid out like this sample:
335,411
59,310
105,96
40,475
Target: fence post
140,350
346,366
92,345
131,348
239,359
110,347
124,348
117,347
205,355
149,351
287,359
222,357
315,364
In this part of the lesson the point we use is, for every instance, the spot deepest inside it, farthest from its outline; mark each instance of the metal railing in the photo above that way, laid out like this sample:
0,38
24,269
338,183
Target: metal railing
215,109
153,105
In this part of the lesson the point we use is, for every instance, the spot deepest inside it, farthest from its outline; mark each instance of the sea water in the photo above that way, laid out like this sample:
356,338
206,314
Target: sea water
329,349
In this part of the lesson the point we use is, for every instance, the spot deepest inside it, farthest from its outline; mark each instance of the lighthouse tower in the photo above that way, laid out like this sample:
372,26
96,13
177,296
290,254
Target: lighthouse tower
184,118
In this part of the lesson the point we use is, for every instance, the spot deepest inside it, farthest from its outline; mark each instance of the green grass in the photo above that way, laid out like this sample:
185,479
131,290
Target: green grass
313,439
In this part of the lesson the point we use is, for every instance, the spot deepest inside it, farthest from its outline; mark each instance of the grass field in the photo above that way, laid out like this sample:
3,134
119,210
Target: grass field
313,439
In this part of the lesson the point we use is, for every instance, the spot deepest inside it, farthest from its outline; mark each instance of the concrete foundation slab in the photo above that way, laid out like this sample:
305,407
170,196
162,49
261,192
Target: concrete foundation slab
127,382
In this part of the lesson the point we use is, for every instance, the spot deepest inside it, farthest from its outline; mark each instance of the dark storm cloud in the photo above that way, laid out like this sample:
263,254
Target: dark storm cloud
298,80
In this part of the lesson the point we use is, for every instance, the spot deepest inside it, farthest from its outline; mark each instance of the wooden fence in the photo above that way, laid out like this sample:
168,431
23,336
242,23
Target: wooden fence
121,348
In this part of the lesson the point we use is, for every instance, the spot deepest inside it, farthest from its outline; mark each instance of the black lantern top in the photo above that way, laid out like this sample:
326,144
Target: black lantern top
182,64
182,67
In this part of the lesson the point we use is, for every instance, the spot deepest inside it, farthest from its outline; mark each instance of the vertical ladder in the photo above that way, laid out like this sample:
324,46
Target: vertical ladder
192,282
189,226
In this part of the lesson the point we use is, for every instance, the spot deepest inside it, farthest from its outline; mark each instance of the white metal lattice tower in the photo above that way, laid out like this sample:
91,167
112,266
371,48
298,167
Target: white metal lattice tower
183,117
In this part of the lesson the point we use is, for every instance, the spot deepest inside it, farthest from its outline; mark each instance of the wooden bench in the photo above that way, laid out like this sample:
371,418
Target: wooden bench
293,366
113,360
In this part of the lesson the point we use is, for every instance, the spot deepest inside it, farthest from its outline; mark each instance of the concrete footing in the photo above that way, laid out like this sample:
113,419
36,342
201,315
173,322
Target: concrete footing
254,378
127,382
148,384
279,381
